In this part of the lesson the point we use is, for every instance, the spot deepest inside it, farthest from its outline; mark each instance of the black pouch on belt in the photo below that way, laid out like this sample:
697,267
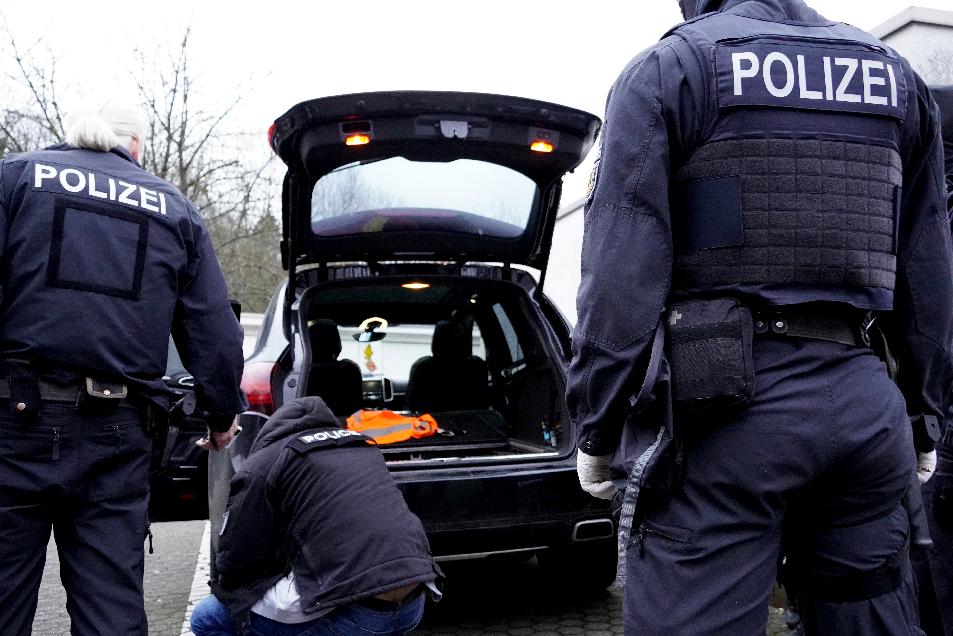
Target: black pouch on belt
98,395
708,347
24,389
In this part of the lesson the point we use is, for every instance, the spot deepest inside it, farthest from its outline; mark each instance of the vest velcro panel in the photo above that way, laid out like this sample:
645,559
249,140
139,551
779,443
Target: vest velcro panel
812,213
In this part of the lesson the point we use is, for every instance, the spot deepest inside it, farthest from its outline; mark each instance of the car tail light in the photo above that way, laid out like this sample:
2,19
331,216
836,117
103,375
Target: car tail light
271,135
256,383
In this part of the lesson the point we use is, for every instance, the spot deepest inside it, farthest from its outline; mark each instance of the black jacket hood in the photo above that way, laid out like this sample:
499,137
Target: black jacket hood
302,414
794,10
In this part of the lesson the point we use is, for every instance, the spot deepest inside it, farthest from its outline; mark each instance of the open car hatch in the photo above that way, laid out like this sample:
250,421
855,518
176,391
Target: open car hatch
416,175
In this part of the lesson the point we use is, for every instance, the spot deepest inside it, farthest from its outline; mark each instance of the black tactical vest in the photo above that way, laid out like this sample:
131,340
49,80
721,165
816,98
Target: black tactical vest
797,182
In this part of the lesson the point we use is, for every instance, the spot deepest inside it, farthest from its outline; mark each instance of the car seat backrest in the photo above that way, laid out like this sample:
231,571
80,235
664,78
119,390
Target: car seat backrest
338,382
451,379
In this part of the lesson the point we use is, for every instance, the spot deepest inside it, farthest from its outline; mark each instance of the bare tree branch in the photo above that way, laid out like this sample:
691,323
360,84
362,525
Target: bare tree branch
192,144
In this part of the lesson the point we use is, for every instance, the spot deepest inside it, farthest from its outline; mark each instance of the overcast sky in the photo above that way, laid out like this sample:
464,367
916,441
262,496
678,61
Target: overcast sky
283,52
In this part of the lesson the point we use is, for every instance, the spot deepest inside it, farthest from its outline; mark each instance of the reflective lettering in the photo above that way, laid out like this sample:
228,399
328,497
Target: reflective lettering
148,199
741,73
802,79
84,182
324,436
851,65
41,172
810,74
80,180
93,192
872,80
124,195
769,80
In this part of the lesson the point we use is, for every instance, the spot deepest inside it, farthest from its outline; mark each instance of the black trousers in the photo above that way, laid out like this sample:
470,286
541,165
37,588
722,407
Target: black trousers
85,477
821,457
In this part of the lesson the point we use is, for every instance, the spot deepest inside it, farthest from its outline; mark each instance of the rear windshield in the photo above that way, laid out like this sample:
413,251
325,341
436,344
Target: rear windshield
463,196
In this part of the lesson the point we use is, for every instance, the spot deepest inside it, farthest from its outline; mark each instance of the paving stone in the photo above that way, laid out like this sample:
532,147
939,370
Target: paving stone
484,599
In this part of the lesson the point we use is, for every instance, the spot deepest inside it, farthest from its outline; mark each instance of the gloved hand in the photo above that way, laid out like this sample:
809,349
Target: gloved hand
593,471
926,466
219,440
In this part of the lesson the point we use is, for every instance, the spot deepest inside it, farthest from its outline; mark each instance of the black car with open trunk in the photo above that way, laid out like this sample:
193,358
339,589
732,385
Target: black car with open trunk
410,223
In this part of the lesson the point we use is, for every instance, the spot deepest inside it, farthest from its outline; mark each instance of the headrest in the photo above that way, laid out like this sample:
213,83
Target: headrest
325,340
449,340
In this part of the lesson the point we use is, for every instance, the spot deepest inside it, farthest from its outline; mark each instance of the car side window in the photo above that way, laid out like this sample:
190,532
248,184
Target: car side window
509,333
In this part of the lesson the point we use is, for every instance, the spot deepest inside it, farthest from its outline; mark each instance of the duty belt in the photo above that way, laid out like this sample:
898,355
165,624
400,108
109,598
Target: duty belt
816,321
71,392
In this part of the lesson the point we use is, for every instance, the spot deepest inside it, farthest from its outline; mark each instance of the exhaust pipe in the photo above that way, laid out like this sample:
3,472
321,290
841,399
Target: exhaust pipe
593,530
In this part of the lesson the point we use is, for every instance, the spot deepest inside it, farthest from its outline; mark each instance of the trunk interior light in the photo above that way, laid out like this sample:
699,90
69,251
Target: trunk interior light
541,145
357,140
415,286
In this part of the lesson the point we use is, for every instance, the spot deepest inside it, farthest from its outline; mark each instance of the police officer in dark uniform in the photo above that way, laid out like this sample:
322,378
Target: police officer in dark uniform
770,182
316,537
934,567
100,262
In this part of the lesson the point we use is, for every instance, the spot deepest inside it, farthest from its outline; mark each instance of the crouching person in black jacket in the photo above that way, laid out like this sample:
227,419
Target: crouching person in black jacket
316,537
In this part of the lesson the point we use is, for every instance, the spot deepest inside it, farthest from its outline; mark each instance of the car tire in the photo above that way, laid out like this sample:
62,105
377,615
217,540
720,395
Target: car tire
584,567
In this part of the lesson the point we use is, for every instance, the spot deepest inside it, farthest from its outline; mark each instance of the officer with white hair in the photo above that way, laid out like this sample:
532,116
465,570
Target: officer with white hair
99,262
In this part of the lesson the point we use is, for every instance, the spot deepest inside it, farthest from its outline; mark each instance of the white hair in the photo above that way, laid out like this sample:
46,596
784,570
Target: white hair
114,124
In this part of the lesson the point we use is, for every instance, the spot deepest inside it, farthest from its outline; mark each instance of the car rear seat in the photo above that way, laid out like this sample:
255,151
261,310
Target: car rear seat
451,379
337,382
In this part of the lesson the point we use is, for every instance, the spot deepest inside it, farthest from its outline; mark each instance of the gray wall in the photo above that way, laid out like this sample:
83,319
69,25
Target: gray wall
928,47
562,276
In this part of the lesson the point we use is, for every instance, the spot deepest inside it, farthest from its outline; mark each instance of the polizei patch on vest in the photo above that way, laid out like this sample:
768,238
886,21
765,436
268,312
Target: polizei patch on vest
810,75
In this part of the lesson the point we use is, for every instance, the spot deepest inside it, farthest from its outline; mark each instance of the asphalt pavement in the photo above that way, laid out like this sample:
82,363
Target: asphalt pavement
485,598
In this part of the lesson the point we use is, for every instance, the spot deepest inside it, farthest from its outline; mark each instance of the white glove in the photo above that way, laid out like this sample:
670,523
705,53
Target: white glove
593,471
926,466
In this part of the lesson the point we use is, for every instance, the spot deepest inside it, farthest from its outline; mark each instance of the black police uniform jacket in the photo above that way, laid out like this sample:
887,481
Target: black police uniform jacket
316,499
763,152
100,260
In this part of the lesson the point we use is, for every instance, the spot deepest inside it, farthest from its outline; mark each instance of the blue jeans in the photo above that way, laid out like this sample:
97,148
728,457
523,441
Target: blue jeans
210,618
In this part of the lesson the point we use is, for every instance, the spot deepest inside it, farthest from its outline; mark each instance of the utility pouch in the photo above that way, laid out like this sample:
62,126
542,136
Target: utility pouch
105,390
98,395
24,388
708,346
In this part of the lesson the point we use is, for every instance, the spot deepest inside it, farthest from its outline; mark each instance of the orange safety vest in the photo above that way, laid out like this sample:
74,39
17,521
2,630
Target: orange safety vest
388,427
